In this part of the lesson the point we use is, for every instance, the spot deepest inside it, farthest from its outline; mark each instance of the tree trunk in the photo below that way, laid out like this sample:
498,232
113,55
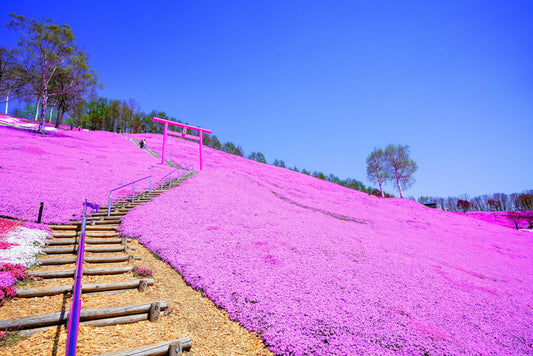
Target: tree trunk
59,117
43,111
399,185
380,188
37,109
7,101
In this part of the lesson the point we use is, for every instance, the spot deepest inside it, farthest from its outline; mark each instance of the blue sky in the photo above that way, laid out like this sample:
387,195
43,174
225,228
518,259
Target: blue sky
320,84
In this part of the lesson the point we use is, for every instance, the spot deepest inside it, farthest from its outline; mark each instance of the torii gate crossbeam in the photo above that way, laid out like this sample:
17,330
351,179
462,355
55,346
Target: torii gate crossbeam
181,134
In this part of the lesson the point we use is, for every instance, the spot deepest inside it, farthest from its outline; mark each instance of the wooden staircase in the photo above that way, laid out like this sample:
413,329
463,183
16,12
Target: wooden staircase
107,253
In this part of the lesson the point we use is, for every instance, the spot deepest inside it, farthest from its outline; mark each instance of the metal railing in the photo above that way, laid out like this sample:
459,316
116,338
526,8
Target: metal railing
187,170
132,192
75,307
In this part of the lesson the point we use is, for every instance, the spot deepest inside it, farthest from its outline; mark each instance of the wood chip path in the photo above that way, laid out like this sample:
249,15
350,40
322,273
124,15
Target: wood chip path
191,314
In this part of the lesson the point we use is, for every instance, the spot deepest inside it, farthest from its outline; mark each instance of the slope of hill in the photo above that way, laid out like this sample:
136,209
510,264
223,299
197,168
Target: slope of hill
501,218
312,267
315,268
63,168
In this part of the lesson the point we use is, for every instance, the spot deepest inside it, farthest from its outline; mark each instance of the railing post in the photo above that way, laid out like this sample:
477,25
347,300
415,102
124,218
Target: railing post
170,185
133,194
150,185
40,213
109,206
75,307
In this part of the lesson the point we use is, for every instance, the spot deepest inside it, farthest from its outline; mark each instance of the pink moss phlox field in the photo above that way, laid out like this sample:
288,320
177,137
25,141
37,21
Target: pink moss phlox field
64,167
315,268
500,218
19,122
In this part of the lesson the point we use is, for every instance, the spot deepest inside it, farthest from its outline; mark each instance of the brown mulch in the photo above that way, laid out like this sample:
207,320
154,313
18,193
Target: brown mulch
191,315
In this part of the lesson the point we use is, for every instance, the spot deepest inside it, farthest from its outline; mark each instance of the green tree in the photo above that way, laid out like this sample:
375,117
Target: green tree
257,156
45,49
281,163
333,179
99,114
215,143
401,166
11,81
69,95
377,169
229,147
318,175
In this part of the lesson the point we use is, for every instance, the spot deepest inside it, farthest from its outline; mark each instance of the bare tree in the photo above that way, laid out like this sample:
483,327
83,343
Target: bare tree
515,217
402,167
377,169
464,205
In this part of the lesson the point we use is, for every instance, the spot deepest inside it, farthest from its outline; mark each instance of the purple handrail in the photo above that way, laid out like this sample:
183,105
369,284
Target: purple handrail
185,169
132,192
75,307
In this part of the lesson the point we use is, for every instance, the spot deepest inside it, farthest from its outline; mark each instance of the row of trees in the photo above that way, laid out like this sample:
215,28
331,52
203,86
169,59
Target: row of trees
392,165
495,202
46,66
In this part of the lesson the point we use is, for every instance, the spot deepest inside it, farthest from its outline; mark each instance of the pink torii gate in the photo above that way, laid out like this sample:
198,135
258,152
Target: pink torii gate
181,134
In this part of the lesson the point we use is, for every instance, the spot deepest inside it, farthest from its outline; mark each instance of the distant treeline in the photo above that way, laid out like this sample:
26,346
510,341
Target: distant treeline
494,202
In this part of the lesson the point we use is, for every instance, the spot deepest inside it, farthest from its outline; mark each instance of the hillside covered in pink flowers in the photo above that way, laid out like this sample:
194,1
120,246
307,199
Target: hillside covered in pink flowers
316,268
65,167
312,267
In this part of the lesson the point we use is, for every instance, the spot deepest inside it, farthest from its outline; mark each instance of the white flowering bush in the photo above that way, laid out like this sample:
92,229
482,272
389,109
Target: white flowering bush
19,248
26,245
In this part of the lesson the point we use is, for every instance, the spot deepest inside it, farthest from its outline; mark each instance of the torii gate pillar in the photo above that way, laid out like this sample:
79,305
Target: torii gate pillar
182,134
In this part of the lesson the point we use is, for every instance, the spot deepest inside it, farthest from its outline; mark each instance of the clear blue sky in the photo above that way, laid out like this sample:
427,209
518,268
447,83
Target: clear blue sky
319,84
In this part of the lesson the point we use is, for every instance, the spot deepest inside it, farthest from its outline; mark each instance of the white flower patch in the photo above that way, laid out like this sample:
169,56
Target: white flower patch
30,243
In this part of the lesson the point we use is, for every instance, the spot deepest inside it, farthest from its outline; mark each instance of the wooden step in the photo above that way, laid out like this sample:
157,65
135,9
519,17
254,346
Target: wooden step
86,288
87,259
113,212
63,227
173,347
99,222
113,223
74,250
76,225
112,215
104,218
105,241
88,233
85,315
86,272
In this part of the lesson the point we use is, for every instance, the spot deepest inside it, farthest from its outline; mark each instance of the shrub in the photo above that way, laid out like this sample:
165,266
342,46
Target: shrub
142,271
10,275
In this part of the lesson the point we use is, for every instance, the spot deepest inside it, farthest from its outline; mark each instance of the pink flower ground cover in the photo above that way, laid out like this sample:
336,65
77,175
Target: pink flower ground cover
499,218
317,269
63,168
